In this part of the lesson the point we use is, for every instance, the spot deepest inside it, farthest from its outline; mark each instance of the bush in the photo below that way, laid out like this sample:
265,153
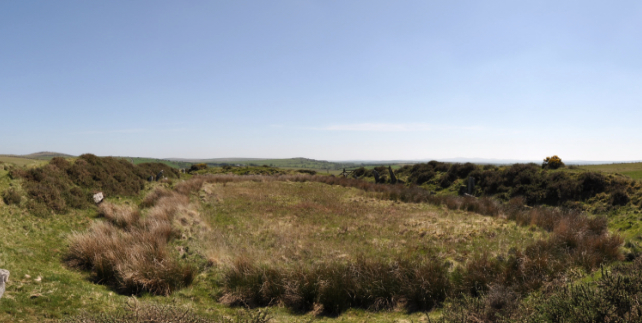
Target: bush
619,198
552,162
11,196
424,177
304,171
61,185
197,167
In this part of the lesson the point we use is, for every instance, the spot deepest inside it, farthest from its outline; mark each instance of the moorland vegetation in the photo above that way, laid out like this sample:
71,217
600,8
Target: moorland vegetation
573,188
323,245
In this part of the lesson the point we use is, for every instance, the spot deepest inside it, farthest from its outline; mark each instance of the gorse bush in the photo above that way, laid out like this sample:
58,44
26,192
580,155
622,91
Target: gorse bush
536,185
62,185
197,167
552,162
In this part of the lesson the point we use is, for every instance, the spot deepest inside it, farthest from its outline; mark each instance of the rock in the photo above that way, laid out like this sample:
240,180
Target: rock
4,277
98,197
376,175
393,178
159,176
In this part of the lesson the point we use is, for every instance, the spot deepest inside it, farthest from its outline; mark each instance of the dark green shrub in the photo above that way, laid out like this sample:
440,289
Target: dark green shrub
61,185
197,167
424,177
359,172
145,170
447,179
462,170
439,166
619,198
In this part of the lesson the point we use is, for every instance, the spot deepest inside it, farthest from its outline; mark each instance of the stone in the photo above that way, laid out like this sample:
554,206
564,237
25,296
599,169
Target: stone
471,185
159,176
393,178
150,178
376,175
4,277
98,197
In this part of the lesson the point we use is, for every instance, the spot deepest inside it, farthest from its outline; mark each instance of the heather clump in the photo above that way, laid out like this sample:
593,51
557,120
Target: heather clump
62,185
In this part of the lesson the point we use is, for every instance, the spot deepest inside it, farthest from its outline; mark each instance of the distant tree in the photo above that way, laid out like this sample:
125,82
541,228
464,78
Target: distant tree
552,162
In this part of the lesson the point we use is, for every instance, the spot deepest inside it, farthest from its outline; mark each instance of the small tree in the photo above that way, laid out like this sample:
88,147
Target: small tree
552,162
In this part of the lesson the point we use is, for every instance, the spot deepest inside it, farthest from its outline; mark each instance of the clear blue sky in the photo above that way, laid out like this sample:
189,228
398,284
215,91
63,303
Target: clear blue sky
332,80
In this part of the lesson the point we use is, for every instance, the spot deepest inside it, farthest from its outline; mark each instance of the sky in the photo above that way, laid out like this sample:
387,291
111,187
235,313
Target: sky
331,80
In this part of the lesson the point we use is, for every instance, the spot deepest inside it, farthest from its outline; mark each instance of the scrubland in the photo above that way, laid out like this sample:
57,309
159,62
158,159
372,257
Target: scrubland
307,247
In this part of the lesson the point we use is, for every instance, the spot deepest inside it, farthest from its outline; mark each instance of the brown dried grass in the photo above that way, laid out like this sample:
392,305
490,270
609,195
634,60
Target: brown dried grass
123,216
130,253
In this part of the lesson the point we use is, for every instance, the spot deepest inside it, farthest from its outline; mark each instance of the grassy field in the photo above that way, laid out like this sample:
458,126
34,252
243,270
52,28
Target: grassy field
19,161
289,223
633,170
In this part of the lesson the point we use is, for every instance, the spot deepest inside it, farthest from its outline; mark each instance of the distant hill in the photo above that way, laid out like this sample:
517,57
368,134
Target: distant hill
46,155
298,162
213,160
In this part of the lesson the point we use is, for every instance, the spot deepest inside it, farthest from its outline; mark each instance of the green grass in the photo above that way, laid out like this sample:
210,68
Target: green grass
19,161
633,170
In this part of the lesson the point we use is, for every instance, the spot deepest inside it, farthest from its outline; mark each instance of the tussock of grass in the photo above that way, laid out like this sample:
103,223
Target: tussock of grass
123,216
333,287
131,254
159,192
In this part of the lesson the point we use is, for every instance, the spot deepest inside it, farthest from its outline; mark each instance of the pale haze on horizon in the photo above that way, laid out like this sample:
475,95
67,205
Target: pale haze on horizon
332,80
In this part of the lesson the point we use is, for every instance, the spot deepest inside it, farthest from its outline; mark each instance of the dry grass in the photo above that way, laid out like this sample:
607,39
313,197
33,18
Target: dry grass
123,216
152,197
289,240
290,223
130,253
